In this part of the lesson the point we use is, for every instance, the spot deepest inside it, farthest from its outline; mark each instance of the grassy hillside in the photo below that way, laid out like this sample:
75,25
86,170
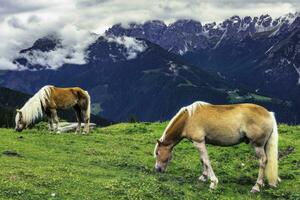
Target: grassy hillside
116,162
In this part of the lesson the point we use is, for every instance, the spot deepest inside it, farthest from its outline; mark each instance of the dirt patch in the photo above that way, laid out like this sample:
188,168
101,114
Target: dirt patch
21,137
11,153
286,151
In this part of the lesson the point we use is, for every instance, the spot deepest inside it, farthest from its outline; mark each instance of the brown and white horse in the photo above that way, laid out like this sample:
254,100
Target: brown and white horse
223,125
47,100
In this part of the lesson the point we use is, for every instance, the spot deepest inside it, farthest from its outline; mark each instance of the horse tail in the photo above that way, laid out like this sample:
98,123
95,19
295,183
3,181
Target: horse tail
271,169
88,109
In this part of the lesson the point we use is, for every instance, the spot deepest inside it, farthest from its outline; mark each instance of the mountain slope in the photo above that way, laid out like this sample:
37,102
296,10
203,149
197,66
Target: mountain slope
131,78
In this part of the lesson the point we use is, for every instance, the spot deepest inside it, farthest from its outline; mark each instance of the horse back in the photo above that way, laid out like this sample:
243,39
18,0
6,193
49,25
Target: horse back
67,97
235,113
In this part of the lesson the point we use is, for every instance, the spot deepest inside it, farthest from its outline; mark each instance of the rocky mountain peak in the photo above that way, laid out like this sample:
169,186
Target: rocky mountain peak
44,44
186,35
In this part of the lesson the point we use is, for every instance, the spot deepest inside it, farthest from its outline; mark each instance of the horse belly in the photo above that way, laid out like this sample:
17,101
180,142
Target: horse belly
225,138
65,101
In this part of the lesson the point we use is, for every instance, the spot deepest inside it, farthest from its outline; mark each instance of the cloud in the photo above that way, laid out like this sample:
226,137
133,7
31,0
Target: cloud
72,49
22,22
132,45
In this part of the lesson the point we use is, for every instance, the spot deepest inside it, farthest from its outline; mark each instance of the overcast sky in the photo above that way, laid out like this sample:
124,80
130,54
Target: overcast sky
23,21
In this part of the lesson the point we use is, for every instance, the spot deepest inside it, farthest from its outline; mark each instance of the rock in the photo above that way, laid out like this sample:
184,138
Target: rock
71,126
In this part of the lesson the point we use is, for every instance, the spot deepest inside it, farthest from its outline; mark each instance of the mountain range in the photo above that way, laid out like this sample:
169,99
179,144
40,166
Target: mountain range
260,53
148,71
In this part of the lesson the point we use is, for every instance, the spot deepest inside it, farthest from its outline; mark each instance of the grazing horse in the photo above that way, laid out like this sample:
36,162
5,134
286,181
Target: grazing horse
223,125
47,100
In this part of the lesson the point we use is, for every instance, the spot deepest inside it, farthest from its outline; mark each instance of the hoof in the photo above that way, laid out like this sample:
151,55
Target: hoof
279,179
213,185
273,185
202,178
261,184
77,131
255,190
58,132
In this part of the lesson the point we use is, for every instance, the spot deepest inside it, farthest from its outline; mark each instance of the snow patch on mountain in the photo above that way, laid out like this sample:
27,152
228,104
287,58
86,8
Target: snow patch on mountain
266,23
173,68
298,72
220,40
268,71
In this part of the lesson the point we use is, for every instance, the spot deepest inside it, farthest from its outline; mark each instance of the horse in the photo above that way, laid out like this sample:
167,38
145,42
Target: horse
46,102
223,125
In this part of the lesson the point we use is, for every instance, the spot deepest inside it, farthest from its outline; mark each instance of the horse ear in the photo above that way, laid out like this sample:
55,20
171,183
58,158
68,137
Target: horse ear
18,110
158,141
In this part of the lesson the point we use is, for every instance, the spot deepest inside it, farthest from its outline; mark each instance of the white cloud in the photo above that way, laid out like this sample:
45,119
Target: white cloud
22,22
132,45
72,49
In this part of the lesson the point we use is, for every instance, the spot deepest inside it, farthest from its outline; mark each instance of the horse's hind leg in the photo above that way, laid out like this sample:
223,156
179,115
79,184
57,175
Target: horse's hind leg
86,120
261,154
205,159
79,118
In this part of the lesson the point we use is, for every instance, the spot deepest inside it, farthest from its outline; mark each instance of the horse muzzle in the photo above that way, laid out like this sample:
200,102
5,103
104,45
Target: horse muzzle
18,129
159,168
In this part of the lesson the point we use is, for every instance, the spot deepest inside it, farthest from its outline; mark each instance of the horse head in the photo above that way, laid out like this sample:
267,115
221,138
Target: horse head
20,124
163,154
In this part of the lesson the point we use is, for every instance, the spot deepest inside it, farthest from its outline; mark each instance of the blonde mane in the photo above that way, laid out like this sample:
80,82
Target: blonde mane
33,108
190,109
193,107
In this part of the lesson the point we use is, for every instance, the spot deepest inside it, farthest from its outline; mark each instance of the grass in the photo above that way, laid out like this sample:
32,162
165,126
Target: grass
116,162
235,97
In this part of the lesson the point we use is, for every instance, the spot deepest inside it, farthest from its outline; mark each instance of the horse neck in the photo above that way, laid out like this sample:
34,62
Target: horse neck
32,110
174,132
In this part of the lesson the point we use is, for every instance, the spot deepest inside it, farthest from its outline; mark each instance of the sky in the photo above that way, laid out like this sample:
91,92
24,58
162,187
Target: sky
24,21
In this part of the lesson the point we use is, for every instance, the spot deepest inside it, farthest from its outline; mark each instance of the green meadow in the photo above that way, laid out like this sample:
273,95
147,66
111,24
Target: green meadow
117,162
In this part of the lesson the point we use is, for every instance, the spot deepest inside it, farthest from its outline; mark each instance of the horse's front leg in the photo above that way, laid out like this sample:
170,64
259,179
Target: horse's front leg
50,120
55,118
261,154
203,177
51,128
205,159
